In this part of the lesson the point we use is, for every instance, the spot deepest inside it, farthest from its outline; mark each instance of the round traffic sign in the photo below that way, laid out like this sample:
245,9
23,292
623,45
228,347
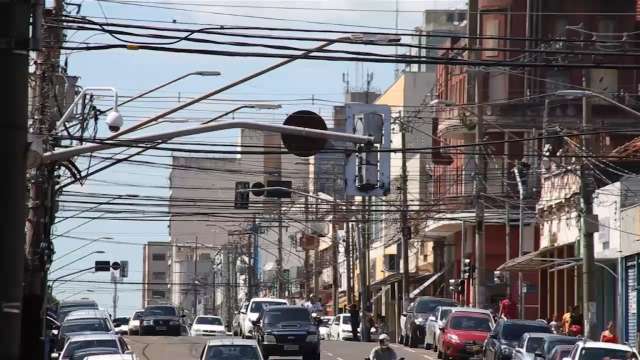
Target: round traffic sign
304,146
255,188
115,266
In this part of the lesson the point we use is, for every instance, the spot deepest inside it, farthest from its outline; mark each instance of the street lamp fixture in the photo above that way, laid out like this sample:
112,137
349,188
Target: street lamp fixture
206,73
263,106
76,260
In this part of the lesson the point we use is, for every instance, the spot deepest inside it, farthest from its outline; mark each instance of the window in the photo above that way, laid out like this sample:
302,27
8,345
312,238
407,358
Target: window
159,275
157,294
158,257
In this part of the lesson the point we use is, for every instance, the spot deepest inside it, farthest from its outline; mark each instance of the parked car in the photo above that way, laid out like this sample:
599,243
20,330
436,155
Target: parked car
134,323
595,350
250,314
231,349
236,323
340,328
438,340
506,335
161,320
67,307
325,324
560,352
529,345
416,317
463,335
84,322
434,323
82,346
111,357
121,325
205,325
551,342
288,331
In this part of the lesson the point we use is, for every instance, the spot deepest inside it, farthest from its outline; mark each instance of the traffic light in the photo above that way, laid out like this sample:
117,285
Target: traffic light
304,146
124,269
456,285
468,269
102,266
242,195
367,169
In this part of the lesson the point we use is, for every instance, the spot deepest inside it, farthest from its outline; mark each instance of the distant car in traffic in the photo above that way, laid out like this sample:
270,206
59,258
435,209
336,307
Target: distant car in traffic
82,346
111,357
529,345
559,352
84,322
67,307
506,335
416,317
253,310
589,350
161,320
325,324
288,331
231,349
205,325
134,323
340,328
121,325
551,342
434,323
463,335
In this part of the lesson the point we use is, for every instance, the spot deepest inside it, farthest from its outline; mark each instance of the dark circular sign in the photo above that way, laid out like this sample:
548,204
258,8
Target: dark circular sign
255,188
115,266
304,146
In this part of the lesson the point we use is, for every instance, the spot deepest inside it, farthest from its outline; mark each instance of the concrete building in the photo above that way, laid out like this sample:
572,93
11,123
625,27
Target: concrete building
155,273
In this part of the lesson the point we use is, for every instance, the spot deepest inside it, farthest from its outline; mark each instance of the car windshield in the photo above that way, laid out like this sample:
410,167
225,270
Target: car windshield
65,310
534,345
94,325
122,320
444,314
274,316
470,323
258,306
208,320
160,311
428,305
605,354
78,346
513,332
346,320
83,354
138,315
232,352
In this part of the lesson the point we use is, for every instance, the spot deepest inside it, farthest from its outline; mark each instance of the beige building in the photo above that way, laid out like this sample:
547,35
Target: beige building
155,273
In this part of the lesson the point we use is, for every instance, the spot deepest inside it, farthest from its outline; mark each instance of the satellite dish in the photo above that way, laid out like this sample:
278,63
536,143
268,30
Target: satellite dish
304,146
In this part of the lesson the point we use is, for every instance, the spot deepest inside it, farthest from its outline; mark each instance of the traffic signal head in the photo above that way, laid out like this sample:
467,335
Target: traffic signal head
304,146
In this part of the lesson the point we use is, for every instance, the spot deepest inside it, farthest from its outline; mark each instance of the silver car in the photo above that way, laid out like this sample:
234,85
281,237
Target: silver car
434,323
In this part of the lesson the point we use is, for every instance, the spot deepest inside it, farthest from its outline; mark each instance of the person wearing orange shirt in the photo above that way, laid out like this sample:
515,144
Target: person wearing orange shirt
609,335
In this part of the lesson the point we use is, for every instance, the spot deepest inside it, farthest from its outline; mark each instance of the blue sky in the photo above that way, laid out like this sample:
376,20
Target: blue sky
135,71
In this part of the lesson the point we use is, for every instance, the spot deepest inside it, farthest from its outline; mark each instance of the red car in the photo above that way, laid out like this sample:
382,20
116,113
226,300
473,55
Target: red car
463,335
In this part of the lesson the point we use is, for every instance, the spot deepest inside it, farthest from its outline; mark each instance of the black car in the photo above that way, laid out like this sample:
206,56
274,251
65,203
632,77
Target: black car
417,315
504,337
288,331
161,320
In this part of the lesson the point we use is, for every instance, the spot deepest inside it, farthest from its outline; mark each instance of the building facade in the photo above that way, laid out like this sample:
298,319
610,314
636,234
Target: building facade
156,273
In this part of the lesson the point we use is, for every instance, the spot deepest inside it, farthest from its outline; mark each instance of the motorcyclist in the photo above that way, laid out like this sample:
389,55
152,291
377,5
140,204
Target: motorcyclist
383,351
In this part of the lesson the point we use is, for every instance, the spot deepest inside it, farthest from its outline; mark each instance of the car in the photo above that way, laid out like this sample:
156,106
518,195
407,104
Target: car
250,314
437,337
82,346
550,342
507,333
231,349
67,307
559,352
325,324
595,350
134,323
236,323
161,320
288,330
84,322
111,357
340,328
206,325
463,335
416,317
434,323
529,345
121,325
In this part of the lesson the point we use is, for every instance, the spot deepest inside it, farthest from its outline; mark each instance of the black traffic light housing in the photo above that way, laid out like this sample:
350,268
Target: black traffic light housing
468,269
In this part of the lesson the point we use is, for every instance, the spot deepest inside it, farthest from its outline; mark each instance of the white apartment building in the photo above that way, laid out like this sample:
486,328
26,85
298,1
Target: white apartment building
155,273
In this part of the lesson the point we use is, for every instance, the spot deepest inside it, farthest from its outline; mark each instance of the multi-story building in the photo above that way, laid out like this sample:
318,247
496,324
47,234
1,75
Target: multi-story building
155,273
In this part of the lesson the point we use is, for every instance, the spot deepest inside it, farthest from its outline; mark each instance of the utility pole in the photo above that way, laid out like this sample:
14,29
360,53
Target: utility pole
13,127
195,278
114,278
307,286
404,221
588,222
347,256
335,251
480,190
364,270
279,267
521,193
38,250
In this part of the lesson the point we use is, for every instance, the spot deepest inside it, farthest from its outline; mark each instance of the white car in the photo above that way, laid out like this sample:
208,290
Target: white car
111,357
324,327
205,325
231,348
134,323
252,311
584,350
434,323
81,346
528,346
340,328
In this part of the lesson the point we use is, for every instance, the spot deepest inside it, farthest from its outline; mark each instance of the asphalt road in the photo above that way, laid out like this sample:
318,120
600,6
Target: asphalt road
189,348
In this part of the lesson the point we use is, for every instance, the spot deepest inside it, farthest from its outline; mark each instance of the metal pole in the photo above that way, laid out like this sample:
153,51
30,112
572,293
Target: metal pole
404,223
195,279
463,241
521,294
115,297
279,267
347,255
364,254
335,252
307,286
480,189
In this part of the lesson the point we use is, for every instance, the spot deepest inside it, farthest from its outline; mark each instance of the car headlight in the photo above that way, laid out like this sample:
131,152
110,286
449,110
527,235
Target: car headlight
147,322
506,350
269,339
174,322
453,338
419,321
312,338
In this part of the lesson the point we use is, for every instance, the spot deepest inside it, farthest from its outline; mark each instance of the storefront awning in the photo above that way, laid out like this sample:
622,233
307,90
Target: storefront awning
530,262
426,284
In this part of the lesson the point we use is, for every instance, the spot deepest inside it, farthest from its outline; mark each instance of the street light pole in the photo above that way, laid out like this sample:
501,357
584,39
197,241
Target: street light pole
76,260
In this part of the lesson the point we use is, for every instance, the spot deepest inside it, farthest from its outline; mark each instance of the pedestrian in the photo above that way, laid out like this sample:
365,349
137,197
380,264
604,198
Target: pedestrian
354,315
609,334
553,323
566,321
382,325
576,317
508,308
